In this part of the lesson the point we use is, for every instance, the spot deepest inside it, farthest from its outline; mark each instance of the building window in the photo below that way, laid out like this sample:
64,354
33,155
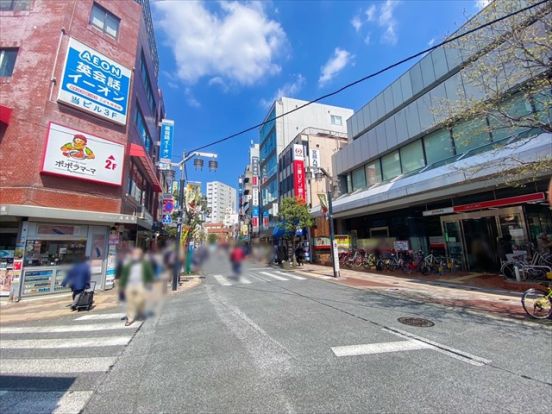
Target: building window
336,120
373,173
412,157
518,108
7,61
359,178
104,20
471,134
391,165
142,129
15,5
146,82
438,146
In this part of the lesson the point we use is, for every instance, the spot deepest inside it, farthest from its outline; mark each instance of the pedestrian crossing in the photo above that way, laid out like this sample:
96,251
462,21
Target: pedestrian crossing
55,366
259,276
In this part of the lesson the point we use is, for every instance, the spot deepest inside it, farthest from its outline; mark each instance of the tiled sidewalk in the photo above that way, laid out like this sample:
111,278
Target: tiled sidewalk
483,293
48,307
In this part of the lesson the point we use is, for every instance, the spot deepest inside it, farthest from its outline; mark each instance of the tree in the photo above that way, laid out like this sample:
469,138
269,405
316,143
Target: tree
507,85
212,238
294,215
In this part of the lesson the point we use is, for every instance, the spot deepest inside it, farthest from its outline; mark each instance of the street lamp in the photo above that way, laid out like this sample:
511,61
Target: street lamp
319,174
198,164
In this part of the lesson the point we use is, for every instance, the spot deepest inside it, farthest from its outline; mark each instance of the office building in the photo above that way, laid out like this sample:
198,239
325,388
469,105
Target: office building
221,200
275,135
409,173
79,115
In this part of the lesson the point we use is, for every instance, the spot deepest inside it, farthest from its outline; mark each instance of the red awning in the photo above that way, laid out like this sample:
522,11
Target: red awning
139,152
5,114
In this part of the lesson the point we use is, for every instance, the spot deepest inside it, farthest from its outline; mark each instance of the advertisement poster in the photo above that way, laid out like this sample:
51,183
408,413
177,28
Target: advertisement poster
255,219
98,247
6,280
166,144
94,83
74,154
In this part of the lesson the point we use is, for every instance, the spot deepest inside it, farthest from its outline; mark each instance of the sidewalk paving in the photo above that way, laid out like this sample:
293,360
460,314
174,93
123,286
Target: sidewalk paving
473,292
50,307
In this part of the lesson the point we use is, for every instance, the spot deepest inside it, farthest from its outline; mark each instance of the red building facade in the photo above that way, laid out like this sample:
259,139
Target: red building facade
70,69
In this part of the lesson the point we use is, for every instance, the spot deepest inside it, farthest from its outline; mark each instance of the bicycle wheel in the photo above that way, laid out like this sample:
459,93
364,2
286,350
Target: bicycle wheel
536,303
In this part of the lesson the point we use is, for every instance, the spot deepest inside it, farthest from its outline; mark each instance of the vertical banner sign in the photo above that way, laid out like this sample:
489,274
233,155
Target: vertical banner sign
167,134
255,219
315,160
255,165
266,220
94,83
255,198
299,184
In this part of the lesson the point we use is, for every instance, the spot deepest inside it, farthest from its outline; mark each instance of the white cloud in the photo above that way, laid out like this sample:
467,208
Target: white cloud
334,65
481,4
383,17
191,99
237,42
431,42
289,89
371,13
387,21
357,23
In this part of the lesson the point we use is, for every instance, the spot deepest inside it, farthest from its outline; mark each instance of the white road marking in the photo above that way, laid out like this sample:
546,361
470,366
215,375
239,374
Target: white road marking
244,280
67,328
444,349
293,276
56,366
256,277
58,402
378,348
222,280
273,276
64,342
101,316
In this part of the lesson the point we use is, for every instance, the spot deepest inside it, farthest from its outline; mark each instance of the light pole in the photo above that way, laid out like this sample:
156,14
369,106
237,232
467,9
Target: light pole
321,172
198,163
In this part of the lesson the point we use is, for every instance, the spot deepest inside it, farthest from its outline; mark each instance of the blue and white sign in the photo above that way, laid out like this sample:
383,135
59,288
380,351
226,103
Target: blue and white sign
167,219
167,134
94,83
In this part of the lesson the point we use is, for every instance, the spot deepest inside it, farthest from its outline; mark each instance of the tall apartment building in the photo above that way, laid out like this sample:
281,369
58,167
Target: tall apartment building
412,174
79,115
249,196
221,200
275,135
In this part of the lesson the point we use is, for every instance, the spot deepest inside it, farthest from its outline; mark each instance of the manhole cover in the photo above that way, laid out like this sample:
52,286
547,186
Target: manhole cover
420,322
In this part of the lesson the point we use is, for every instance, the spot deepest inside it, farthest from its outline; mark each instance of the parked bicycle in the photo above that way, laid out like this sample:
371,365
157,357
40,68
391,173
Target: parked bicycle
534,268
538,303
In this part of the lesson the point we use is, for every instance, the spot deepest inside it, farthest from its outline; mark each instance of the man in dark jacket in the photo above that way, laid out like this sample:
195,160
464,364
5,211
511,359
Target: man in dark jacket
78,279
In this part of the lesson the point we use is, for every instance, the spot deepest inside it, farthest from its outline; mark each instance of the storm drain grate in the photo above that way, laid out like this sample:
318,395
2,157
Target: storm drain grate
419,322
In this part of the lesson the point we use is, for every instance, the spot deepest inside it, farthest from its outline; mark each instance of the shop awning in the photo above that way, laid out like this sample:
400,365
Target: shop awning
140,154
5,114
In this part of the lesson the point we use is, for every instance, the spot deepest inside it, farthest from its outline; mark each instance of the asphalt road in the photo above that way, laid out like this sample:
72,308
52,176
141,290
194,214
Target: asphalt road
282,342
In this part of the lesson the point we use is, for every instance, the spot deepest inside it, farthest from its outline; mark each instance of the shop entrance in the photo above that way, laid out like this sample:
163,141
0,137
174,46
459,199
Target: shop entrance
478,240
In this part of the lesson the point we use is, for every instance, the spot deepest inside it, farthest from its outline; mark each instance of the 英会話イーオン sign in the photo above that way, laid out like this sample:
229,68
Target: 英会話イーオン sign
94,83
76,154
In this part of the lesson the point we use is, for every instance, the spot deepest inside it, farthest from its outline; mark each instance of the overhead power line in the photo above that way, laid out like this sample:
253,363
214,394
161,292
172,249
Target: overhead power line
371,75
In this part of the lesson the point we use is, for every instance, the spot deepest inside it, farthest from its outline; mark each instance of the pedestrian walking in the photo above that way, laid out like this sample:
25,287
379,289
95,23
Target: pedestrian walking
78,279
236,257
135,276
300,255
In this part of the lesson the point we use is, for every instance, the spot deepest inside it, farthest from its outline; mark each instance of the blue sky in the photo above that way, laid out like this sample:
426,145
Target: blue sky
223,63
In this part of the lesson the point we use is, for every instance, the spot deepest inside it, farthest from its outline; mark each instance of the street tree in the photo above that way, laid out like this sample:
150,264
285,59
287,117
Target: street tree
506,85
294,215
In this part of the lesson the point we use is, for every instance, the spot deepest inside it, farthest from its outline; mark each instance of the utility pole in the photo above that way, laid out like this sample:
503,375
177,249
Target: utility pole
333,245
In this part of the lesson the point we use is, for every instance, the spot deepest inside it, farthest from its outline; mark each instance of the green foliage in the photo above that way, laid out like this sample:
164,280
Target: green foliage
212,238
294,213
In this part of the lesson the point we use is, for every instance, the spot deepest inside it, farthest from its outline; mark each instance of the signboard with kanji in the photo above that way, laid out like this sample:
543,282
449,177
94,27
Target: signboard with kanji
94,83
166,144
76,154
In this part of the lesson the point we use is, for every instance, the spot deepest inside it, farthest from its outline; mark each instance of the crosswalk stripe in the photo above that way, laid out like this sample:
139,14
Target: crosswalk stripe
293,276
56,366
57,402
244,280
100,316
66,328
273,276
64,342
222,280
378,348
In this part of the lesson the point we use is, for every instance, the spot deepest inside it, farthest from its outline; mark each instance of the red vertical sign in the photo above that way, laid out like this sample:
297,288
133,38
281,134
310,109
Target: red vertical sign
299,185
